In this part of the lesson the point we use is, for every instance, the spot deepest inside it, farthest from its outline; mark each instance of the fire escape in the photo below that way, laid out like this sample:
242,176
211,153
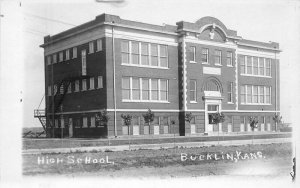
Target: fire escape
53,104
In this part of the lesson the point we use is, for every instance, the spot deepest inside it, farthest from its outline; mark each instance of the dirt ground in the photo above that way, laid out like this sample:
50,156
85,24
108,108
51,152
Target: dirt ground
269,160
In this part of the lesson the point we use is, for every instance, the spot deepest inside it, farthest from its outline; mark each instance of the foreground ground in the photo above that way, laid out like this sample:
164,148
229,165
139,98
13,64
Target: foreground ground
268,160
44,143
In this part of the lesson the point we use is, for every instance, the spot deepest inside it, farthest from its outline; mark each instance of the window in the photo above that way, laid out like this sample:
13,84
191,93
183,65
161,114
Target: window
163,56
100,82
242,118
54,58
67,54
126,88
218,56
154,89
163,90
145,54
165,122
135,50
99,45
135,88
92,83
229,59
91,47
74,52
249,65
92,121
255,94
242,64
54,89
243,94
49,91
61,56
268,95
48,60
83,84
230,92
268,67
84,120
212,108
255,65
193,90
154,55
261,67
249,94
83,62
70,88
261,94
125,52
145,89
56,123
61,89
193,53
76,85
204,55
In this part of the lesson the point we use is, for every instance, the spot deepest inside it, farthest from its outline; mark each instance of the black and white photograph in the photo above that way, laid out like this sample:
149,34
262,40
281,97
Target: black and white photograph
153,93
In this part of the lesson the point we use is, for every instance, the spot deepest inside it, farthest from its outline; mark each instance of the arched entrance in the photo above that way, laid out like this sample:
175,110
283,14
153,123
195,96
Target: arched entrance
213,90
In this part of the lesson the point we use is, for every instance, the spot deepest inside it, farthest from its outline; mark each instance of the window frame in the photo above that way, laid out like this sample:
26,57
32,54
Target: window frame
99,82
99,45
91,47
67,54
193,91
218,55
192,54
230,92
229,59
149,55
159,90
206,54
74,52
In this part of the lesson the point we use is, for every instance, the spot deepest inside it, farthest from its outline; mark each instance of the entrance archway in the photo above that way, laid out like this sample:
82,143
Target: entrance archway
213,90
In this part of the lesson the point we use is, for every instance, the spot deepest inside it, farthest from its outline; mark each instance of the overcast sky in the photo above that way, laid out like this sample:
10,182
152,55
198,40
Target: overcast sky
262,20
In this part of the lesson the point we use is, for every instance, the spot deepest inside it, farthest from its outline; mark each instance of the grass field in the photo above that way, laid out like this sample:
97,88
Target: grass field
275,160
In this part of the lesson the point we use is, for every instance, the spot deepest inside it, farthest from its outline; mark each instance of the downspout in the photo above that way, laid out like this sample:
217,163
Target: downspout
52,91
114,79
276,124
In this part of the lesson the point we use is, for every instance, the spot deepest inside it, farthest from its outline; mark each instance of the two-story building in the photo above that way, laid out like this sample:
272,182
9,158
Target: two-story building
128,67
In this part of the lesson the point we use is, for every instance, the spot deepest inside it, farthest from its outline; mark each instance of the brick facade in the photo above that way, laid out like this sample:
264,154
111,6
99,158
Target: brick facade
147,75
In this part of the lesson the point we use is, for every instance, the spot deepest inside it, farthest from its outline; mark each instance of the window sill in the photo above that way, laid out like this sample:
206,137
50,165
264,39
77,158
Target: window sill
230,66
147,101
193,102
259,76
193,62
205,63
230,103
90,52
144,66
99,50
219,65
255,104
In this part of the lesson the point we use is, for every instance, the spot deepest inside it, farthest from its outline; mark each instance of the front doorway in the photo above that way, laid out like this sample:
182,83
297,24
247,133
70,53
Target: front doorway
211,110
213,104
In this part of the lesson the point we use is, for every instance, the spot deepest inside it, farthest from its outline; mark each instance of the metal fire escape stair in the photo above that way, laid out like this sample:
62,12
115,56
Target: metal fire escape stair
58,100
